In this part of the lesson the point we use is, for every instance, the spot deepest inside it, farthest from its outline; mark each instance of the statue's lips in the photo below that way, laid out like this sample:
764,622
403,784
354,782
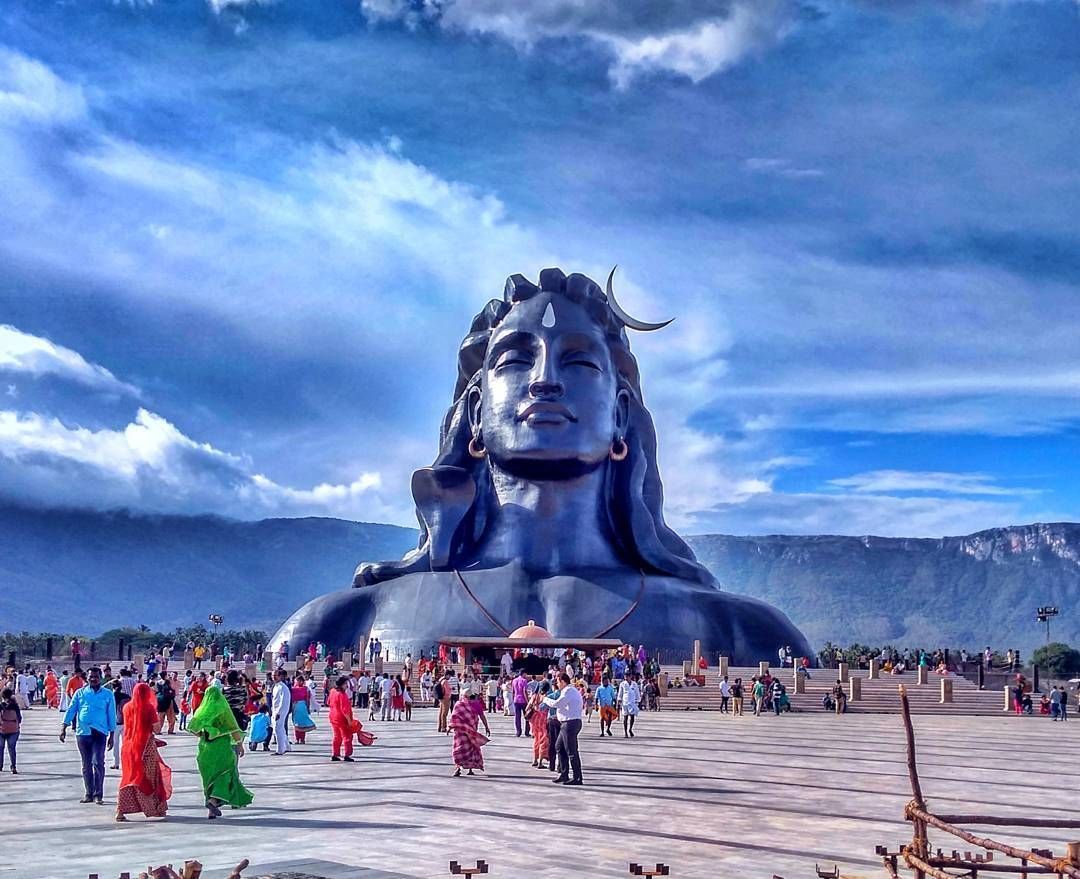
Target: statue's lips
545,412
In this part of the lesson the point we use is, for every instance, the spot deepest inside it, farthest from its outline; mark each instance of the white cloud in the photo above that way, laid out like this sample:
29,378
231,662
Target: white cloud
695,40
926,481
31,92
781,168
32,355
857,514
705,48
150,465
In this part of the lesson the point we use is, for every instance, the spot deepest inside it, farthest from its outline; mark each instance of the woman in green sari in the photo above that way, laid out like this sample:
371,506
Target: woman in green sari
220,746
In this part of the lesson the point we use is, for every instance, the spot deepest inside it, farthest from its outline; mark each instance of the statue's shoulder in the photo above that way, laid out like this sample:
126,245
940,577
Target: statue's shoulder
423,582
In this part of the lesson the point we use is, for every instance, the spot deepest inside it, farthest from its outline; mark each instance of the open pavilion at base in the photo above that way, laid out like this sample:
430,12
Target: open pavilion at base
710,795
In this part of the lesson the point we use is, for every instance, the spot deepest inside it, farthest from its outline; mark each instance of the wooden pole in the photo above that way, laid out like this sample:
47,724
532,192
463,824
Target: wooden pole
1059,865
1068,823
919,842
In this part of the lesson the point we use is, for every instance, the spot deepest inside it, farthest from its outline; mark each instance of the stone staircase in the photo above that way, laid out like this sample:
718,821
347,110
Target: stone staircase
878,696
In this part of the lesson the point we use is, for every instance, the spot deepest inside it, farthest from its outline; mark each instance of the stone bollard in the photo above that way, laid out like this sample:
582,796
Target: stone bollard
946,691
189,659
697,656
723,665
1008,699
346,661
875,670
855,689
800,684
763,668
140,664
842,672
921,673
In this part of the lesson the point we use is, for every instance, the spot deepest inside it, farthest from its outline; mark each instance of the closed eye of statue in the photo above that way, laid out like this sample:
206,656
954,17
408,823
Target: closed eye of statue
577,359
514,357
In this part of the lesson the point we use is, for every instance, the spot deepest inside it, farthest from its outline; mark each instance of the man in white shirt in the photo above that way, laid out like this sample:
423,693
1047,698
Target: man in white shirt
491,689
25,685
363,688
629,698
281,702
507,663
568,707
725,694
387,686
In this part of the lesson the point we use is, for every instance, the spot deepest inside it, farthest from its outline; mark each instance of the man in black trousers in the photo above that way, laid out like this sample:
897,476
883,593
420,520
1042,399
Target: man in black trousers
568,706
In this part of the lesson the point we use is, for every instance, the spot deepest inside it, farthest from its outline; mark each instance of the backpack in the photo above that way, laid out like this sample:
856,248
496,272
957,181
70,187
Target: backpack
439,692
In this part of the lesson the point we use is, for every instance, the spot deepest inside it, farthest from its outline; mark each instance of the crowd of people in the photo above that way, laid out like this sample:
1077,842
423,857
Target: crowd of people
235,709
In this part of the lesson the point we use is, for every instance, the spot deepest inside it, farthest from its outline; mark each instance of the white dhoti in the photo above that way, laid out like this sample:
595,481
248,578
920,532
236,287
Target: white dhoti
281,740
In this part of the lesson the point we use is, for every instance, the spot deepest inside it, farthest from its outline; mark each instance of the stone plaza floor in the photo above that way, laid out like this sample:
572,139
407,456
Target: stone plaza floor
709,795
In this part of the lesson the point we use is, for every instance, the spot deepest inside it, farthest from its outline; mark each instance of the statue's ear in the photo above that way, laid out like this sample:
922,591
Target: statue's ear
622,411
474,404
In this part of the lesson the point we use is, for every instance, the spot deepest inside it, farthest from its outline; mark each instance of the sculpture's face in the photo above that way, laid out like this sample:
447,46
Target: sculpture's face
550,389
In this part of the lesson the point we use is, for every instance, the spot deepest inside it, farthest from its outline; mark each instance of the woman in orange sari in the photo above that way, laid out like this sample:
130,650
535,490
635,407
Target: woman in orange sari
52,689
538,724
145,780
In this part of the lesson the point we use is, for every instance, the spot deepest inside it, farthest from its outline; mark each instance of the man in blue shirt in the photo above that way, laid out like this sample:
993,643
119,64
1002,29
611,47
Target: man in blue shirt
93,714
605,703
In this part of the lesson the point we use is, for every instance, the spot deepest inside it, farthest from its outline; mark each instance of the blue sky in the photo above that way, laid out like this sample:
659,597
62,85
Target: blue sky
241,241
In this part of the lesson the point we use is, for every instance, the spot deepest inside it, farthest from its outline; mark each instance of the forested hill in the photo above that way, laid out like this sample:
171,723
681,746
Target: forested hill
968,591
88,571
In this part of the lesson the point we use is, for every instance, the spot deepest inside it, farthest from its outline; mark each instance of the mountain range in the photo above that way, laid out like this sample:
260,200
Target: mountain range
90,571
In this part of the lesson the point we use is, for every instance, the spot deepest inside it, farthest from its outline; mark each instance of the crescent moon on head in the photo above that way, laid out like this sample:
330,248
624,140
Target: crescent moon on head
631,322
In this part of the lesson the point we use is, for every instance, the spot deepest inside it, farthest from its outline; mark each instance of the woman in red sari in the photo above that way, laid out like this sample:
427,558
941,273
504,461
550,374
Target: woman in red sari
198,691
145,780
468,740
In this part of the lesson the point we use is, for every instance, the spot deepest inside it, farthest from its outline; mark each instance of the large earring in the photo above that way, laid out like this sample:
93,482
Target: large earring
476,447
619,450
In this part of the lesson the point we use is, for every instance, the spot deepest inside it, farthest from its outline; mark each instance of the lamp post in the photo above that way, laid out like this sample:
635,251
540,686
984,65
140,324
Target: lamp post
217,619
1044,615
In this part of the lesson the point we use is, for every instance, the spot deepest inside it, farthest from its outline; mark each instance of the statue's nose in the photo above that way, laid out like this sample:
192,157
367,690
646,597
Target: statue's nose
546,389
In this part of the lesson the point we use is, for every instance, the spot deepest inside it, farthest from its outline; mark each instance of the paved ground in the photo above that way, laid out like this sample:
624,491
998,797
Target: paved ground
710,795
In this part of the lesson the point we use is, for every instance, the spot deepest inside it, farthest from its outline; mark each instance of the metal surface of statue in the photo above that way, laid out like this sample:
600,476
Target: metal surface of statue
545,502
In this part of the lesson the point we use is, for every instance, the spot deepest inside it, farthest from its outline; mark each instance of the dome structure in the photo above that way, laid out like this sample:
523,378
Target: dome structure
530,631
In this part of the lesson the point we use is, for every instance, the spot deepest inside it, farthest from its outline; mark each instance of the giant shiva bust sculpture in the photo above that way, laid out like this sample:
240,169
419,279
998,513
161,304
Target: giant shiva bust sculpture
545,503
